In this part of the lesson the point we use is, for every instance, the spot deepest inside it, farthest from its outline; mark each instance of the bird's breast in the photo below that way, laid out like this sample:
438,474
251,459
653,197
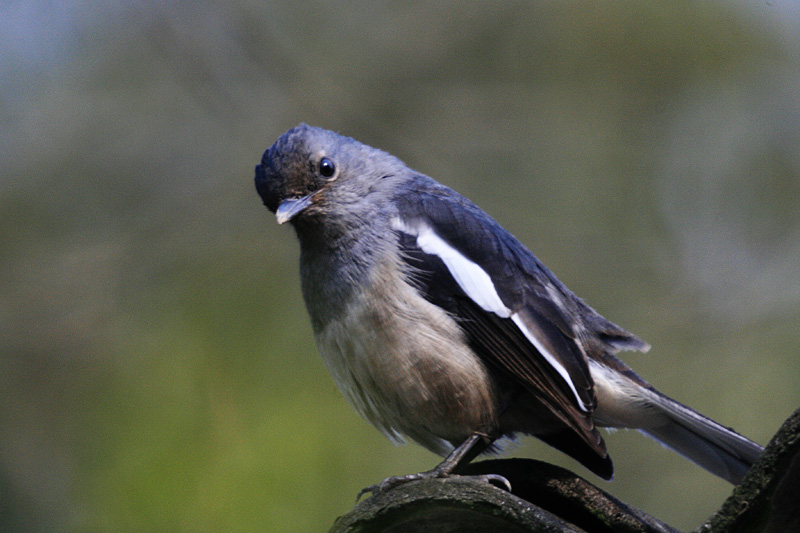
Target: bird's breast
404,364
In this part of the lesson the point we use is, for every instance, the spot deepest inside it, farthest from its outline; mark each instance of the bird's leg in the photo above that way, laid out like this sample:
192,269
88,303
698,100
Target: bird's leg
463,454
460,456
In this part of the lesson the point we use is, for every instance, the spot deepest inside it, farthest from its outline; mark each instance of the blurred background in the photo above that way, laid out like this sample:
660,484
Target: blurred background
157,369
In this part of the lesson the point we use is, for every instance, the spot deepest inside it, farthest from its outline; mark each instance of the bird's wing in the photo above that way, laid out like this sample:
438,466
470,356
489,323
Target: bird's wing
516,315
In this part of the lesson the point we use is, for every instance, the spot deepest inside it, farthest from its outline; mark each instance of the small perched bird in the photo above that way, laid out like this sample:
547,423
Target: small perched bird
439,326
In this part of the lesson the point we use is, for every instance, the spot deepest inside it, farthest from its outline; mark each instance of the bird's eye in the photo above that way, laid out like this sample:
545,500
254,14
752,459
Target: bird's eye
326,168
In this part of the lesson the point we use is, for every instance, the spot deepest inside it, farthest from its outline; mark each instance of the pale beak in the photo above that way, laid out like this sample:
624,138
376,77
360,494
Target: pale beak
291,207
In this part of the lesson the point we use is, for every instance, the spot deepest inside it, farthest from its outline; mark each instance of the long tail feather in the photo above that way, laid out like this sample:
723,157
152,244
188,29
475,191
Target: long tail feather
625,402
718,449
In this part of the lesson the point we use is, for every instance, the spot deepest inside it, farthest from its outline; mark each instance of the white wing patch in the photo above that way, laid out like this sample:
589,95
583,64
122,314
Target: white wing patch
472,279
549,357
478,285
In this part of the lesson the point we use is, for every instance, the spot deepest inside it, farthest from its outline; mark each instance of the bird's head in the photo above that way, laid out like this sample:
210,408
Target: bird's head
311,173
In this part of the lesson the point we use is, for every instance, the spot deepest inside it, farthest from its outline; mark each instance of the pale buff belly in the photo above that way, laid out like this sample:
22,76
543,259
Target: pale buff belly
404,365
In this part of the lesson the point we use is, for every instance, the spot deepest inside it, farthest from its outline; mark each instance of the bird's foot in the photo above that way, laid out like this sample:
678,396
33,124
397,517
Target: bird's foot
394,481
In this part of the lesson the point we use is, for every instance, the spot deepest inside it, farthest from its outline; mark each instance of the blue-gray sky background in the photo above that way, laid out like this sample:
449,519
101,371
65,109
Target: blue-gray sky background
157,370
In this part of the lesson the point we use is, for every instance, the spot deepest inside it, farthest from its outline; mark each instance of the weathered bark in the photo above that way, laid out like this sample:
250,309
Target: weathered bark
768,500
550,498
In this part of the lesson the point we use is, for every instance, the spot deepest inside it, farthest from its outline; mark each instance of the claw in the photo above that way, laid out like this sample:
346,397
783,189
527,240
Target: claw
372,488
392,482
499,481
462,454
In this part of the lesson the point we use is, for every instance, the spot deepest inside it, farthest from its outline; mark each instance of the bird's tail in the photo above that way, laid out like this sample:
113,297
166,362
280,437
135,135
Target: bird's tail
627,401
718,449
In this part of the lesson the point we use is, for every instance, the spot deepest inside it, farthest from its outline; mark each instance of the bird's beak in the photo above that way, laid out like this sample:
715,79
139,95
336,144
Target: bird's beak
291,207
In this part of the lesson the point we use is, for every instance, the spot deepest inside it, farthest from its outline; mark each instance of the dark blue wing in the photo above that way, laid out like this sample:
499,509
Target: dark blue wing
515,313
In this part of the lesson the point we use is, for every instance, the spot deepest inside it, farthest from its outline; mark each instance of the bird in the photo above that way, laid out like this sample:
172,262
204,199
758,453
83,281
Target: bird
441,327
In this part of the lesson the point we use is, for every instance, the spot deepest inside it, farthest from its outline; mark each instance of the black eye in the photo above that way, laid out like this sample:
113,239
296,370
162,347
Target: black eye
326,167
